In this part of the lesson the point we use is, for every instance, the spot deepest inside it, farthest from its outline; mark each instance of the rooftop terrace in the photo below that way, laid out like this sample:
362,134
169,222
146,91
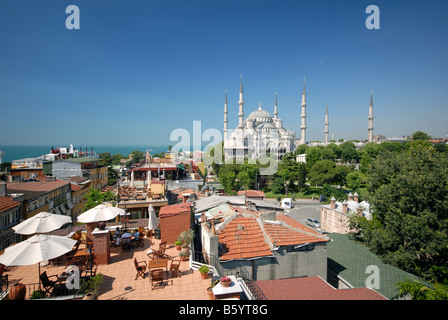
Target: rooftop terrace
119,277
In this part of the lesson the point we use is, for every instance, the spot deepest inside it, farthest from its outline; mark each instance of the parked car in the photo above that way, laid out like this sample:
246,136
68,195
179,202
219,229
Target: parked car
313,222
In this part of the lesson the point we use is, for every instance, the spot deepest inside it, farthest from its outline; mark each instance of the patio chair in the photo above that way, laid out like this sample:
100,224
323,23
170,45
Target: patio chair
160,253
174,268
3,278
126,244
69,255
156,278
139,242
140,268
48,284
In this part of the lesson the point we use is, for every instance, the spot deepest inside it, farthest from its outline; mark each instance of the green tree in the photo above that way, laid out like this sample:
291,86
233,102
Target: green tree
349,153
408,191
322,172
420,135
313,155
94,198
418,291
340,174
354,180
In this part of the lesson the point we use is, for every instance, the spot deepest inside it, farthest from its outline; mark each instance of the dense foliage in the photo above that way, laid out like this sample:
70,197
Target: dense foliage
408,191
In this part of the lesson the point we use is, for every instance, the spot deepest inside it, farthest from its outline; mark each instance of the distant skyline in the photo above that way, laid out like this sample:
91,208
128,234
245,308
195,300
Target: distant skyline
136,70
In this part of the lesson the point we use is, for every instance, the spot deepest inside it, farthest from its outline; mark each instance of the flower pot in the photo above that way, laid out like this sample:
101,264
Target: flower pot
90,296
225,283
17,292
204,275
211,296
178,247
101,225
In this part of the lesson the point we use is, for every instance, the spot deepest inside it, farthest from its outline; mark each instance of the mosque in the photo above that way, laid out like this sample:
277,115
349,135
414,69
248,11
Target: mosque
261,134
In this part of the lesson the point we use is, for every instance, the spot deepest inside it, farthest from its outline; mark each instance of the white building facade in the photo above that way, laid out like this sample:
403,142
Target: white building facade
260,134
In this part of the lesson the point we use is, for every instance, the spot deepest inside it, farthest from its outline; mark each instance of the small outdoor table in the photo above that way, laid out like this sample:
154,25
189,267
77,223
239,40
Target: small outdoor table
233,291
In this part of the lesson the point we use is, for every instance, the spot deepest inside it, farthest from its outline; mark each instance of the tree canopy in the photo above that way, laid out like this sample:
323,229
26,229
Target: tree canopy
408,191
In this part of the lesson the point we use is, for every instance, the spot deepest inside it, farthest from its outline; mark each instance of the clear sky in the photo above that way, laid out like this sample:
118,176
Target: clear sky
136,70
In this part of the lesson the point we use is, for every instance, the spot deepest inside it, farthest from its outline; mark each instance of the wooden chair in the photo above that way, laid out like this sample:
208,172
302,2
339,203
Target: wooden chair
126,243
156,278
174,268
69,255
139,242
47,283
3,278
140,268
160,253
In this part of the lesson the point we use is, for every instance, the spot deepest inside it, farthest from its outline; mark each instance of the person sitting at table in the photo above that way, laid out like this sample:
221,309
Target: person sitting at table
126,238
126,234
117,236
136,235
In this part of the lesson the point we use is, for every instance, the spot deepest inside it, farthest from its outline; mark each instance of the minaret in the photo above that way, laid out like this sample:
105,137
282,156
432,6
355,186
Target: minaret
275,107
326,126
370,128
225,117
303,115
241,103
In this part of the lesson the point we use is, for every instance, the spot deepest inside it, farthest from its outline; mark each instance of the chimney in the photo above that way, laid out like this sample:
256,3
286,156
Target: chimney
333,203
350,197
356,197
344,206
3,189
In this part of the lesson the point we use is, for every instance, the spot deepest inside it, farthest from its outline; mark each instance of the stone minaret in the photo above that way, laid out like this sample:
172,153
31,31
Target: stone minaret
370,128
241,103
225,118
275,107
303,115
326,126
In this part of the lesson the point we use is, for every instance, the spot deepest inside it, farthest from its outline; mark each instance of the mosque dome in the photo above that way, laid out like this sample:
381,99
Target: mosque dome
260,115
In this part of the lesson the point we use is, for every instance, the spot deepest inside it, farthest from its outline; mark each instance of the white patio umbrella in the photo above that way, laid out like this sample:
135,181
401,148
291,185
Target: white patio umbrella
41,223
153,221
100,213
36,249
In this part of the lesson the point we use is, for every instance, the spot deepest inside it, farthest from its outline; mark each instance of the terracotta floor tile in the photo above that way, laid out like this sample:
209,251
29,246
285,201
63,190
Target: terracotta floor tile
119,278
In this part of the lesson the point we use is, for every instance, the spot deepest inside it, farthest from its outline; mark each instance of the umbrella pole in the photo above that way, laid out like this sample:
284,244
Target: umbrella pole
39,274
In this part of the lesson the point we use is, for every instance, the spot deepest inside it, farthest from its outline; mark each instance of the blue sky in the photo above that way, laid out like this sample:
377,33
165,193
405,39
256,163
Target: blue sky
136,70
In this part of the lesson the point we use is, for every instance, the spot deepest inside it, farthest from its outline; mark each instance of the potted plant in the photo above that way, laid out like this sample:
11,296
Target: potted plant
203,270
225,281
214,282
37,294
186,237
92,287
184,255
178,244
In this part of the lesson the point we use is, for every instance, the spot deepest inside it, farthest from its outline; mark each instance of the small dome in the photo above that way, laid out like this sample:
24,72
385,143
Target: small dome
266,126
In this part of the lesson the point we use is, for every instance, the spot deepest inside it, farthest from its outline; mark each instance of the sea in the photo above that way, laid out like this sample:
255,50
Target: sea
12,152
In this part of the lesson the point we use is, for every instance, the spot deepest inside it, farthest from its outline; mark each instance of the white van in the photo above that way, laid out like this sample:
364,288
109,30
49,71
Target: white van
286,203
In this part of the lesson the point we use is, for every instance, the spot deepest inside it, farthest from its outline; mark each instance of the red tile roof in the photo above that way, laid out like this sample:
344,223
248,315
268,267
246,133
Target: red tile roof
7,203
75,187
252,193
174,209
312,288
242,238
37,186
292,232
